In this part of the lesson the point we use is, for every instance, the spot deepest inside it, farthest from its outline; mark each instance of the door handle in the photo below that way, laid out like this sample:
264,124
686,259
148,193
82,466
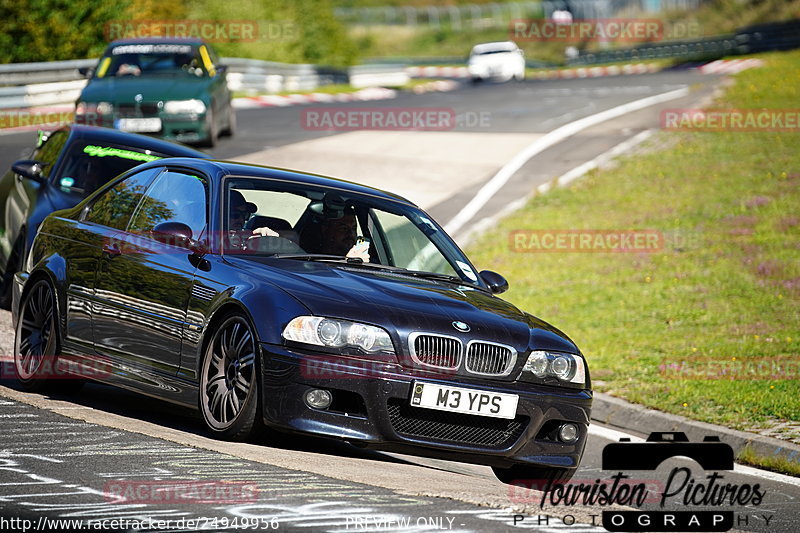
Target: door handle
111,250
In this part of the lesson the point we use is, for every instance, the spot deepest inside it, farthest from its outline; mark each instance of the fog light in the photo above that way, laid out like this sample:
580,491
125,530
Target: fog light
319,398
568,433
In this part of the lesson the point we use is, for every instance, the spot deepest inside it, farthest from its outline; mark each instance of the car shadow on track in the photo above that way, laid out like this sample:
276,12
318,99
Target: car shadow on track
129,404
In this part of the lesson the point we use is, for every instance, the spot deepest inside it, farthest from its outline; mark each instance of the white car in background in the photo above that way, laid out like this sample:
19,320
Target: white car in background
500,61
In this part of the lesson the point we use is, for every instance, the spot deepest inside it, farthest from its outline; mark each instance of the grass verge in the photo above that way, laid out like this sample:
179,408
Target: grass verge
776,464
683,329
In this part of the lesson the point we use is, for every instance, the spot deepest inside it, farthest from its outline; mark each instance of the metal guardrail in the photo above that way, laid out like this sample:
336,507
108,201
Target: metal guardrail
386,75
749,40
60,82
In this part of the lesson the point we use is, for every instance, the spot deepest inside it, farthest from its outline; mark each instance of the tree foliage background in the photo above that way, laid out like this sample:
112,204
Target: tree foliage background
50,30
291,31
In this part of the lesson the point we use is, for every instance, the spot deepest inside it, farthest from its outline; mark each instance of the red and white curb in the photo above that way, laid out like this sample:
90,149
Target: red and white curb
597,72
437,72
436,86
363,95
274,100
721,66
729,66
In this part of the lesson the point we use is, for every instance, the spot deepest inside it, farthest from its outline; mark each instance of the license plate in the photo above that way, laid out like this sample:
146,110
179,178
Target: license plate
469,401
139,125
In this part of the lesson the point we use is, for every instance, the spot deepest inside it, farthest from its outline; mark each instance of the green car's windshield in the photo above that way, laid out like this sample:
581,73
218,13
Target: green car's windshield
134,60
268,218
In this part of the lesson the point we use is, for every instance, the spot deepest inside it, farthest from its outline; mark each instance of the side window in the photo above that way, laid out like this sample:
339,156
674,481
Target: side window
48,152
113,208
173,197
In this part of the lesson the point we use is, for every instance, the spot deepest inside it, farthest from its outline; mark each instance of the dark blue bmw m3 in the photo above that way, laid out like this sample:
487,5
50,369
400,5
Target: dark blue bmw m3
264,296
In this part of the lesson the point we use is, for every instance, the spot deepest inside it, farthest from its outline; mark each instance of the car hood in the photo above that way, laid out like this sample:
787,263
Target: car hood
152,88
405,304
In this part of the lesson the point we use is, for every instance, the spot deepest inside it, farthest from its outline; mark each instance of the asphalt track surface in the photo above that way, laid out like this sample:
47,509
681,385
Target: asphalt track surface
66,457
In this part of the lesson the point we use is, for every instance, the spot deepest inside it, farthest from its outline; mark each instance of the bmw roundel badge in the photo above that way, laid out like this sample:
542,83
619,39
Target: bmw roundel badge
461,326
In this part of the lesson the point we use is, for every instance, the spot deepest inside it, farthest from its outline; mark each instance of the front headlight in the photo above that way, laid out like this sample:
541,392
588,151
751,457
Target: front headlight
334,333
183,107
566,368
100,108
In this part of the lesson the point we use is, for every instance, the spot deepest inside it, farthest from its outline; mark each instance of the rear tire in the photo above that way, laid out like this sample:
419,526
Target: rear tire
229,393
7,280
533,476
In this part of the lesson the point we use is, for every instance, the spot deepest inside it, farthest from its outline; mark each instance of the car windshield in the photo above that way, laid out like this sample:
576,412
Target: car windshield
133,60
89,165
315,223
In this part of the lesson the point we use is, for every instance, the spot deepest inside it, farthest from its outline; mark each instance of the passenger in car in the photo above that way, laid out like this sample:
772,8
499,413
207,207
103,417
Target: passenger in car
334,232
241,236
339,237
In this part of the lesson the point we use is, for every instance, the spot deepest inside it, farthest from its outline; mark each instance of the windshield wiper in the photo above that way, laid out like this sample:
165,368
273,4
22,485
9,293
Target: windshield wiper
319,257
433,275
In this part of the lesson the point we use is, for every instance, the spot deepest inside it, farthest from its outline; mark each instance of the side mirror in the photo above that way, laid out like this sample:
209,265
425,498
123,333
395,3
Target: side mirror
86,72
27,168
177,234
497,283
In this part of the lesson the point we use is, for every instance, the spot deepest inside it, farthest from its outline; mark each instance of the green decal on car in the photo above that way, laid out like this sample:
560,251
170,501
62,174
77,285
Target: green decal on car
107,151
42,138
104,64
67,182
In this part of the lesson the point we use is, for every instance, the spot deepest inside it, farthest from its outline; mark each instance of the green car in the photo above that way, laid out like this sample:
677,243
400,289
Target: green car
171,88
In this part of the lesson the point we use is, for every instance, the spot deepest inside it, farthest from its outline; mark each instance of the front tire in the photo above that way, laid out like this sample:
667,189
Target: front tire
229,392
231,128
212,130
36,344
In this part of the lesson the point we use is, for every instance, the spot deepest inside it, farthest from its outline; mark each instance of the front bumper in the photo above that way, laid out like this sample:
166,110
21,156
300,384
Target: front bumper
375,412
187,128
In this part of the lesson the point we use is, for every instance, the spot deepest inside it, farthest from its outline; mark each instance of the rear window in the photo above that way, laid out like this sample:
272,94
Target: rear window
88,166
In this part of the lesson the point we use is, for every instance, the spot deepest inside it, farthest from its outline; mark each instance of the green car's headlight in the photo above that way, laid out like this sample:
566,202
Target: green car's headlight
184,107
334,333
100,108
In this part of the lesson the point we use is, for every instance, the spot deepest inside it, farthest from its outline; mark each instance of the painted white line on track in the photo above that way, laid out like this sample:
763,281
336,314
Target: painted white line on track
603,158
615,435
502,176
566,178
611,434
766,474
